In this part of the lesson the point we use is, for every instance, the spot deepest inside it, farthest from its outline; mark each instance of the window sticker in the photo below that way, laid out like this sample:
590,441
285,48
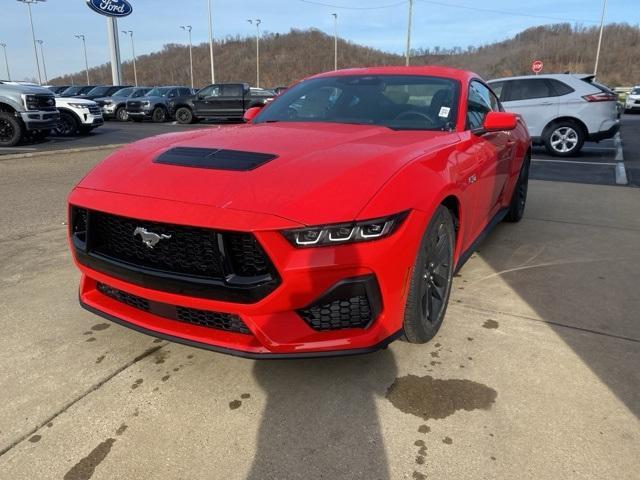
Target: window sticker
444,112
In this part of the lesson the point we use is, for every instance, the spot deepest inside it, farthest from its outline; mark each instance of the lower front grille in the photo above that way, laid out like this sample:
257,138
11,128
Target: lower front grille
95,110
202,318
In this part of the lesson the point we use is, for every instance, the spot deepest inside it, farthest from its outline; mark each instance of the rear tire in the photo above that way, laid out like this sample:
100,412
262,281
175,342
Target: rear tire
430,279
11,130
184,116
519,196
564,138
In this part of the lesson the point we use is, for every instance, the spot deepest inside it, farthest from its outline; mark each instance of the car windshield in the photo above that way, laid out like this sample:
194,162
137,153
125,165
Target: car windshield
635,91
158,91
399,102
124,92
140,92
72,90
100,91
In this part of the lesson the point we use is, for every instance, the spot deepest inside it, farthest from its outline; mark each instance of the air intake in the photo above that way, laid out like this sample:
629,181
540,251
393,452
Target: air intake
214,158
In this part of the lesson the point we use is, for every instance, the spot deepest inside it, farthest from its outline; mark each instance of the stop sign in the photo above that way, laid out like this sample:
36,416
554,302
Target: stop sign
536,66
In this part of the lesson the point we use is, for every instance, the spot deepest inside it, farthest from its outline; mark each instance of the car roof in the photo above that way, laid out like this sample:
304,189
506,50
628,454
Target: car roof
558,76
429,70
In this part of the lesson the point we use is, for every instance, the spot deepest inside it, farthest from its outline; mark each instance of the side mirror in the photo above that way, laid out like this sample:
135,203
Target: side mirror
251,113
499,121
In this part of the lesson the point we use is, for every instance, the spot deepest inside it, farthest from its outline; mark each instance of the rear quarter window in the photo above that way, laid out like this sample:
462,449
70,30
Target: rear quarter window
559,87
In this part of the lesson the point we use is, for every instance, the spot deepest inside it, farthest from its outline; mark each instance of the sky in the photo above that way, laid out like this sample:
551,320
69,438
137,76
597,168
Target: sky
380,24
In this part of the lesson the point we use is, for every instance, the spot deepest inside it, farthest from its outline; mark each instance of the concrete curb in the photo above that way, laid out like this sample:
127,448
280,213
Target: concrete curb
621,173
60,152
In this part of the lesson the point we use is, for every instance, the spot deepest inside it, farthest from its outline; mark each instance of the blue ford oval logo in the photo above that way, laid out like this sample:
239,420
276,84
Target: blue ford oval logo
111,8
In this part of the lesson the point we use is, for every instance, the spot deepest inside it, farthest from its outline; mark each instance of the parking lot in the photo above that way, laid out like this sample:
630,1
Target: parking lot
533,375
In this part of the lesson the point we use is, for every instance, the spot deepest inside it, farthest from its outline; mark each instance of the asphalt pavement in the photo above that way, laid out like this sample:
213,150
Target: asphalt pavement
534,374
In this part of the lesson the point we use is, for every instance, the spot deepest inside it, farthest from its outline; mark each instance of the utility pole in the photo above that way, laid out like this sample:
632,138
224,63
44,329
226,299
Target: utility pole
188,28
408,52
6,60
133,53
44,65
84,49
335,40
258,22
604,10
33,34
213,70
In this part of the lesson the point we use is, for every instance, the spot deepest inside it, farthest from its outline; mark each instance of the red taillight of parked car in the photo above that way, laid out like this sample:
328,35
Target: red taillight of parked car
600,97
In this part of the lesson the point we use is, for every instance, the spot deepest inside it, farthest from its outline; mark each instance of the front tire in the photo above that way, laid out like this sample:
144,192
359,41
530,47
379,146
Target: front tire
68,125
519,196
11,130
564,138
184,116
159,115
430,279
121,114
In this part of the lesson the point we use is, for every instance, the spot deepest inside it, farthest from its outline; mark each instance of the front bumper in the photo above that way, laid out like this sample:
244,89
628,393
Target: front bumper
140,113
44,120
276,328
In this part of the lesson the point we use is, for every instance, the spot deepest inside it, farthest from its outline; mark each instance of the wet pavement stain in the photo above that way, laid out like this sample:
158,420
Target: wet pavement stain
100,359
447,440
420,460
470,339
160,356
235,404
245,395
490,324
424,429
435,354
430,398
88,332
84,469
419,443
100,326
189,357
50,424
157,340
137,383
493,458
35,438
165,378
91,339
121,429
416,476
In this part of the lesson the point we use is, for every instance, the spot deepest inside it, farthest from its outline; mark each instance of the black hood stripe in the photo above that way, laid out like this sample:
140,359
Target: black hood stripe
214,158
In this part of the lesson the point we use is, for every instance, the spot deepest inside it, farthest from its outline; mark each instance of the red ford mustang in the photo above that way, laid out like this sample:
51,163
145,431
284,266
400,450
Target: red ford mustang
332,222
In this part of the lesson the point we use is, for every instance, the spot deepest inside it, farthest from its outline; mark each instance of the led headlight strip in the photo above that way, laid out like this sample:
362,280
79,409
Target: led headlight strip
341,233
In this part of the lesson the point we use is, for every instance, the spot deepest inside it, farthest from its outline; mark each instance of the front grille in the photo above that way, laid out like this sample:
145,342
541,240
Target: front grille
246,255
353,312
95,110
202,318
134,106
43,102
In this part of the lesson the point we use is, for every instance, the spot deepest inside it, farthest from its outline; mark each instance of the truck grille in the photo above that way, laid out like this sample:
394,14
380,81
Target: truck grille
202,318
134,106
44,102
178,258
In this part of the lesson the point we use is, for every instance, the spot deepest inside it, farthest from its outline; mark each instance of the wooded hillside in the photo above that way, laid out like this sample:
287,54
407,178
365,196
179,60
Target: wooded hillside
288,57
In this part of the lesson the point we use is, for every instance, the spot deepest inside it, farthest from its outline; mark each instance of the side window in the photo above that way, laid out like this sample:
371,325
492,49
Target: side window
527,89
172,93
210,91
478,104
559,87
498,88
232,90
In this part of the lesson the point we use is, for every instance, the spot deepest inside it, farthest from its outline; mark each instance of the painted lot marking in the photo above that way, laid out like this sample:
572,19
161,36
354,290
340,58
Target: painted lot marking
613,164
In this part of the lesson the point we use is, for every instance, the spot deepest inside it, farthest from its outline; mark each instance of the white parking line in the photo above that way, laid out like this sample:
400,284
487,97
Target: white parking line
612,164
17,149
621,173
599,148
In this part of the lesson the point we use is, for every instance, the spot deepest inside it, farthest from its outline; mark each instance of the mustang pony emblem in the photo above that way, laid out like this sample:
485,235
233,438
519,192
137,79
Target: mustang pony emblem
150,239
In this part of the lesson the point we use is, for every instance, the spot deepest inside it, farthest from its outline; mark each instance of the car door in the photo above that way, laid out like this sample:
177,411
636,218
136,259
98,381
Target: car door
232,100
534,99
206,101
492,152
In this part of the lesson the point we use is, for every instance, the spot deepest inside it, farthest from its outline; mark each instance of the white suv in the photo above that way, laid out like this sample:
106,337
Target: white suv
77,115
633,100
561,111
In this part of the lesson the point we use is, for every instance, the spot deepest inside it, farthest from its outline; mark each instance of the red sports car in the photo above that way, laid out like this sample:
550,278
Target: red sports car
331,223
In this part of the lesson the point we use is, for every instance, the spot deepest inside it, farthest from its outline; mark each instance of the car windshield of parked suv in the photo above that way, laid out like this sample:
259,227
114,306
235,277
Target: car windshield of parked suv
159,91
72,90
399,102
635,91
99,91
124,92
140,92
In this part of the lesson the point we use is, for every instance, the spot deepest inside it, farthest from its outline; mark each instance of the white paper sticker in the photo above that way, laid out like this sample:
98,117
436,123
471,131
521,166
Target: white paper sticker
444,112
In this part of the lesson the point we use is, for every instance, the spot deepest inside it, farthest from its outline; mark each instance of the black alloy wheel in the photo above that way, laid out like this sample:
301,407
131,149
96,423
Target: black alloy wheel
68,124
11,130
159,115
519,197
431,279
121,114
184,116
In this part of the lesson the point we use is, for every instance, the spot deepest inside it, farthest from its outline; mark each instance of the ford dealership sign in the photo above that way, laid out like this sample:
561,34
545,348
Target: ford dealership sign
111,8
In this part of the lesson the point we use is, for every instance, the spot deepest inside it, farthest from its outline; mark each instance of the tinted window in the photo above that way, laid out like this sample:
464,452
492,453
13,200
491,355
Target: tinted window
124,92
526,89
560,88
232,90
498,88
210,91
140,92
100,91
478,104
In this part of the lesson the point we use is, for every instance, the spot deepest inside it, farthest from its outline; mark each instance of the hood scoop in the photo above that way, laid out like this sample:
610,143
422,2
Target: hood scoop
214,158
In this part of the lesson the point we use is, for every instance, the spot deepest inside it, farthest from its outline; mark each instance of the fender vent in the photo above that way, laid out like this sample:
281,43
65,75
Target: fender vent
214,158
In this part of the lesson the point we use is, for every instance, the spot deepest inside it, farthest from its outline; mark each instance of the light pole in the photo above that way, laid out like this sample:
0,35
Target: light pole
604,10
406,62
84,49
33,34
258,22
335,41
6,60
187,28
213,70
44,65
133,53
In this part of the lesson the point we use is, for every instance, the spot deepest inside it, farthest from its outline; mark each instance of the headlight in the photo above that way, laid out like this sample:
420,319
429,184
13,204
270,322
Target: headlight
146,103
341,233
107,102
30,102
78,105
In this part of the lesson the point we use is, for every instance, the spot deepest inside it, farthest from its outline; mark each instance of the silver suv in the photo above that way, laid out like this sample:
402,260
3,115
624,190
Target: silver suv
561,111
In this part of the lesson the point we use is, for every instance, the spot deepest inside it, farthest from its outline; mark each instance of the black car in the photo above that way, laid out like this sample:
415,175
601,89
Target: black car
77,90
226,101
57,89
102,91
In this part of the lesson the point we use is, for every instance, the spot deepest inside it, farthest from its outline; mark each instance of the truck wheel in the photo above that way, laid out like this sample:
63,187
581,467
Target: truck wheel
184,115
68,125
159,115
11,130
564,138
121,114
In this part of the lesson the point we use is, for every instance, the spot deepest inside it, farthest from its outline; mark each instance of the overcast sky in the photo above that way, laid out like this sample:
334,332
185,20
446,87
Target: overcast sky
376,23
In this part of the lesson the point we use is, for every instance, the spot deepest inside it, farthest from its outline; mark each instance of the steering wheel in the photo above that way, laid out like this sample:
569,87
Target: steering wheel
415,113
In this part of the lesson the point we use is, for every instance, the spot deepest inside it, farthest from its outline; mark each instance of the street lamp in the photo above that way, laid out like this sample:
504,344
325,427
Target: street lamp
187,28
258,22
84,49
604,10
44,65
335,40
133,53
213,70
408,52
6,60
33,34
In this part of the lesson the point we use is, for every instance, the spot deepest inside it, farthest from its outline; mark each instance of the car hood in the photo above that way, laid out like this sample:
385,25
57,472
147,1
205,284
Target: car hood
322,173
24,89
67,100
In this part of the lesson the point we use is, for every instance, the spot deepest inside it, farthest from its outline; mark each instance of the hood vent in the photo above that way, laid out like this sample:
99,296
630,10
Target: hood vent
214,158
